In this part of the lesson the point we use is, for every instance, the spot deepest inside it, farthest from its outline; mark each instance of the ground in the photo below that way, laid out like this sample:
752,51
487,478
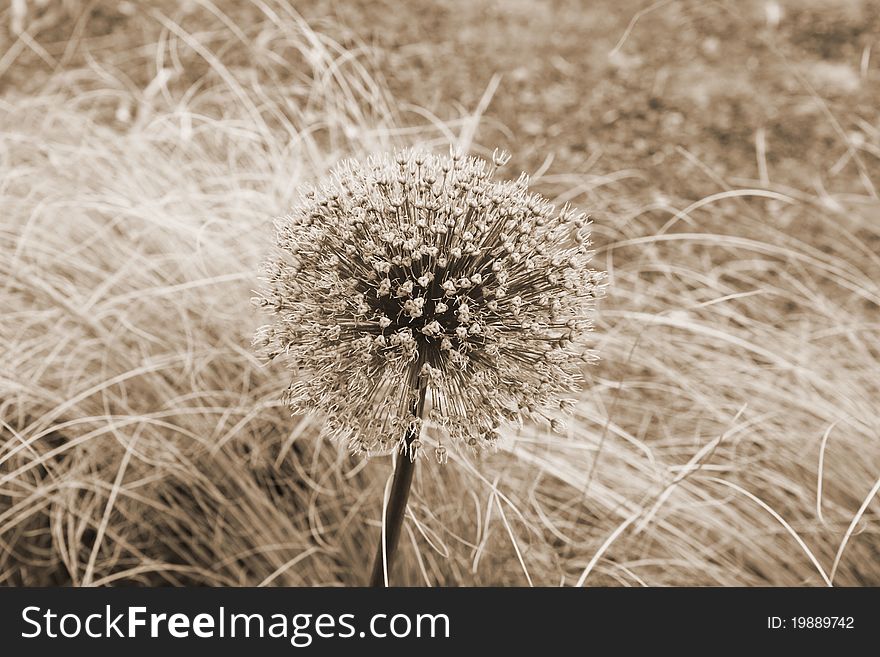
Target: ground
728,153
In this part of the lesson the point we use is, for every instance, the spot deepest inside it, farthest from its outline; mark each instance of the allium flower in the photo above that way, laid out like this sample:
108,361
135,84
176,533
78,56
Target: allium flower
416,288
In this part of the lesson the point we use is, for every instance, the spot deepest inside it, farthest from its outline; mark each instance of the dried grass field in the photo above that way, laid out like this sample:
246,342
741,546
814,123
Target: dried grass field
727,151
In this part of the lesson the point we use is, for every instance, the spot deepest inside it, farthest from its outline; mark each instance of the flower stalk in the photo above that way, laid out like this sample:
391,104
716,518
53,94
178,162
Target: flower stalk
395,511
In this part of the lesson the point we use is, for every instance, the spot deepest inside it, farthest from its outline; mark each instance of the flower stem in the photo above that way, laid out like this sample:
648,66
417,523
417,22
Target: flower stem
396,509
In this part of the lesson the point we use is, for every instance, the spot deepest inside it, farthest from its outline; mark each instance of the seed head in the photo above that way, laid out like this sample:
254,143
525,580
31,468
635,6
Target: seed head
413,274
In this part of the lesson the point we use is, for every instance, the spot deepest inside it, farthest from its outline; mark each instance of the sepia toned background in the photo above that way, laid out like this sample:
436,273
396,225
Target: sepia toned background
727,151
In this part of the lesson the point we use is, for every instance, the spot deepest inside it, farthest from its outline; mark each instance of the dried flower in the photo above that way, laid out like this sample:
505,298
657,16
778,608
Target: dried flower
420,274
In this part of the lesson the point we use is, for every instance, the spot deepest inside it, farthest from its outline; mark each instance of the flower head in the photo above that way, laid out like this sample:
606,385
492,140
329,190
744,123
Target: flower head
416,288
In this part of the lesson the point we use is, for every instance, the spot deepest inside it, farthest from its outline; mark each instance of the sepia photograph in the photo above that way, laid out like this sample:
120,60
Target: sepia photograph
455,294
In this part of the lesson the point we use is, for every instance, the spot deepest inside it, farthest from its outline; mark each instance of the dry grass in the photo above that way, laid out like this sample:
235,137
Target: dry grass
730,436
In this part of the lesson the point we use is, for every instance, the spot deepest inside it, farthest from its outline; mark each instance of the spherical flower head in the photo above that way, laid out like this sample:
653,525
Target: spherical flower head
415,289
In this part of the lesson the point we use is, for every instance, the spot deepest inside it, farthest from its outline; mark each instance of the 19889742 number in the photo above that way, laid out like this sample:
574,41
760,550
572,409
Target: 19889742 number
811,623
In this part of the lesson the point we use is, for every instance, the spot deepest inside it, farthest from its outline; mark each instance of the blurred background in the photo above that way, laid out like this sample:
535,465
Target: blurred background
727,151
